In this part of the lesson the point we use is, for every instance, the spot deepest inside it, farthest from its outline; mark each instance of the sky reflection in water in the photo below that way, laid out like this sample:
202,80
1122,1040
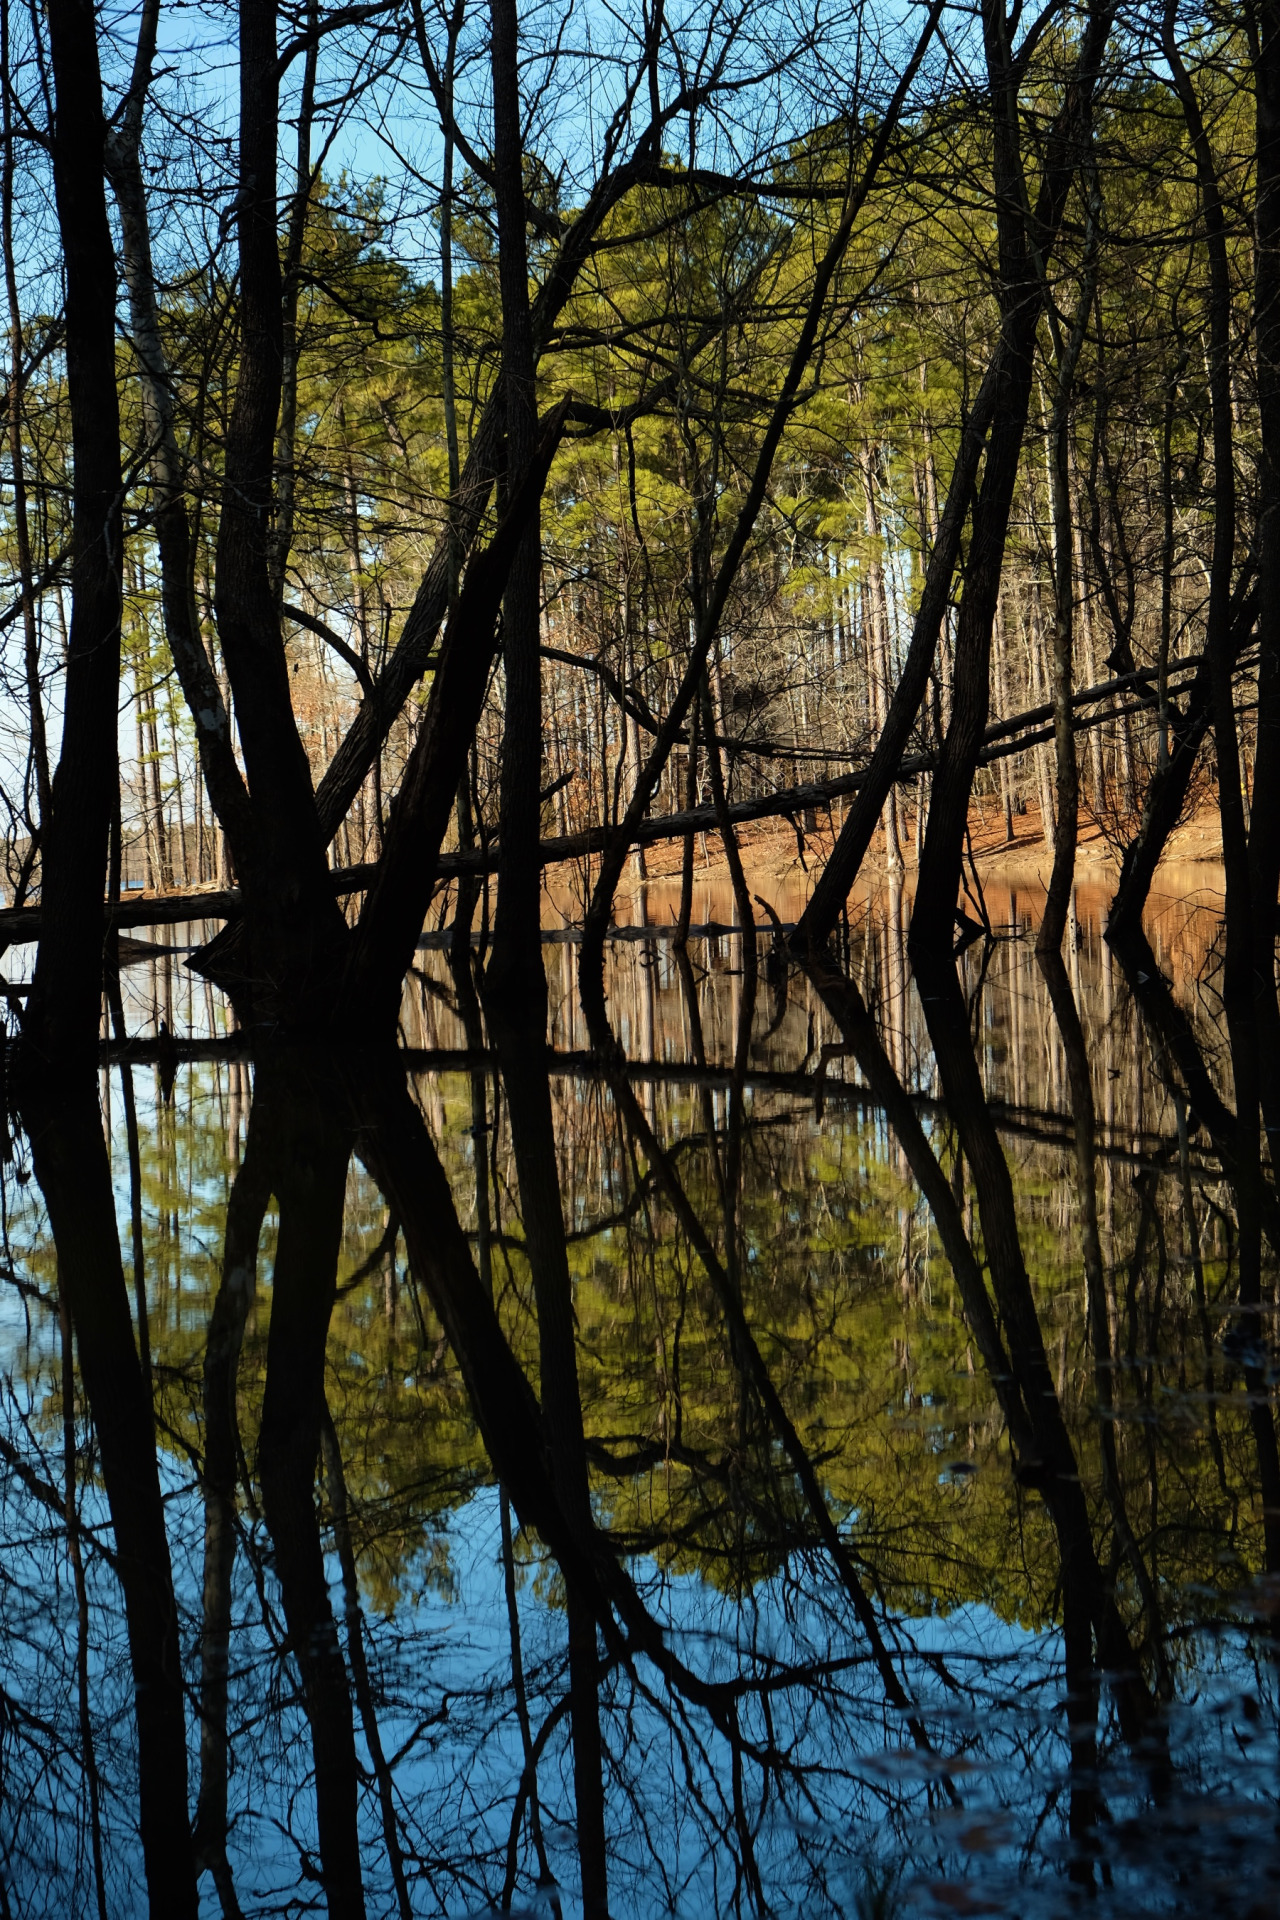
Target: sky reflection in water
815,1793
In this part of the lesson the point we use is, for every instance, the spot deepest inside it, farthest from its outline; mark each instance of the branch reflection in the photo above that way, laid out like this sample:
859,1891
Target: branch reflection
789,1441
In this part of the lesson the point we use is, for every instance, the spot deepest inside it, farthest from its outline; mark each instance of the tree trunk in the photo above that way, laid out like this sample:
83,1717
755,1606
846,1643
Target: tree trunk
17,453
1167,790
294,931
246,1209
516,967
1264,829
997,402
308,1152
1238,976
200,686
1020,302
1066,821
62,1016
69,1155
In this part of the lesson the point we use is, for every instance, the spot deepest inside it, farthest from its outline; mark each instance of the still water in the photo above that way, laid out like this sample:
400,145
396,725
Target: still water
929,1528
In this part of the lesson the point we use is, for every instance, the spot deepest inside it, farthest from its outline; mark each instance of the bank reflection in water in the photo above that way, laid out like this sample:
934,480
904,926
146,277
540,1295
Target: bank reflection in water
846,1499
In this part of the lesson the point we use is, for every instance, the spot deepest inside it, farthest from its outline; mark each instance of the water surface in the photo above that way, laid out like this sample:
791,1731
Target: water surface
930,1612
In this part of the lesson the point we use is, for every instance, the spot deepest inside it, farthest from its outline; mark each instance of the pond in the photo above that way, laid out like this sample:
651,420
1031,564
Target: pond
869,1524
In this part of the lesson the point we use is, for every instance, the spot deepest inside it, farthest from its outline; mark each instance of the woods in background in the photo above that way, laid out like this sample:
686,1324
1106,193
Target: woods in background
1072,206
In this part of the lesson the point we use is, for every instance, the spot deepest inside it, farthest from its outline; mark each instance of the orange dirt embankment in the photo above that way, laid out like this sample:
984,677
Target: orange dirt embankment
773,852
1183,915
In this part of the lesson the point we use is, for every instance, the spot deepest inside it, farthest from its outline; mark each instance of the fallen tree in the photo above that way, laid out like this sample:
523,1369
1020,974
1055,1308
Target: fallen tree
1001,739
1118,1142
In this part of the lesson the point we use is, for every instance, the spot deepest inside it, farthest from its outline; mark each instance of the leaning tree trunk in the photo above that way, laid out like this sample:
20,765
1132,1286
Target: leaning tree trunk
932,921
616,853
829,896
1066,817
1170,784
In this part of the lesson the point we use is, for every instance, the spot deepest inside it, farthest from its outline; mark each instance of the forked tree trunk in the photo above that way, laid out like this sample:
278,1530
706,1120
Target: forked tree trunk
172,514
933,919
710,615
997,401
294,930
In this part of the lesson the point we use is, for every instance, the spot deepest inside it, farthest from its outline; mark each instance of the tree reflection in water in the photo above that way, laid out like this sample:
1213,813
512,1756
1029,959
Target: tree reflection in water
856,1496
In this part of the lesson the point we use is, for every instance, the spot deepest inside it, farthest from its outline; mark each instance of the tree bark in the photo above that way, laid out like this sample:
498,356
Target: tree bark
63,1010
1066,819
308,1153
246,1209
1020,243
294,931
1238,993
516,966
996,410
1264,826
70,1160
615,857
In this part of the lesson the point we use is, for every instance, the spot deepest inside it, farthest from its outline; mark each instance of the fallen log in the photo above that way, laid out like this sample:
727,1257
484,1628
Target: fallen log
1117,1141
1002,737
